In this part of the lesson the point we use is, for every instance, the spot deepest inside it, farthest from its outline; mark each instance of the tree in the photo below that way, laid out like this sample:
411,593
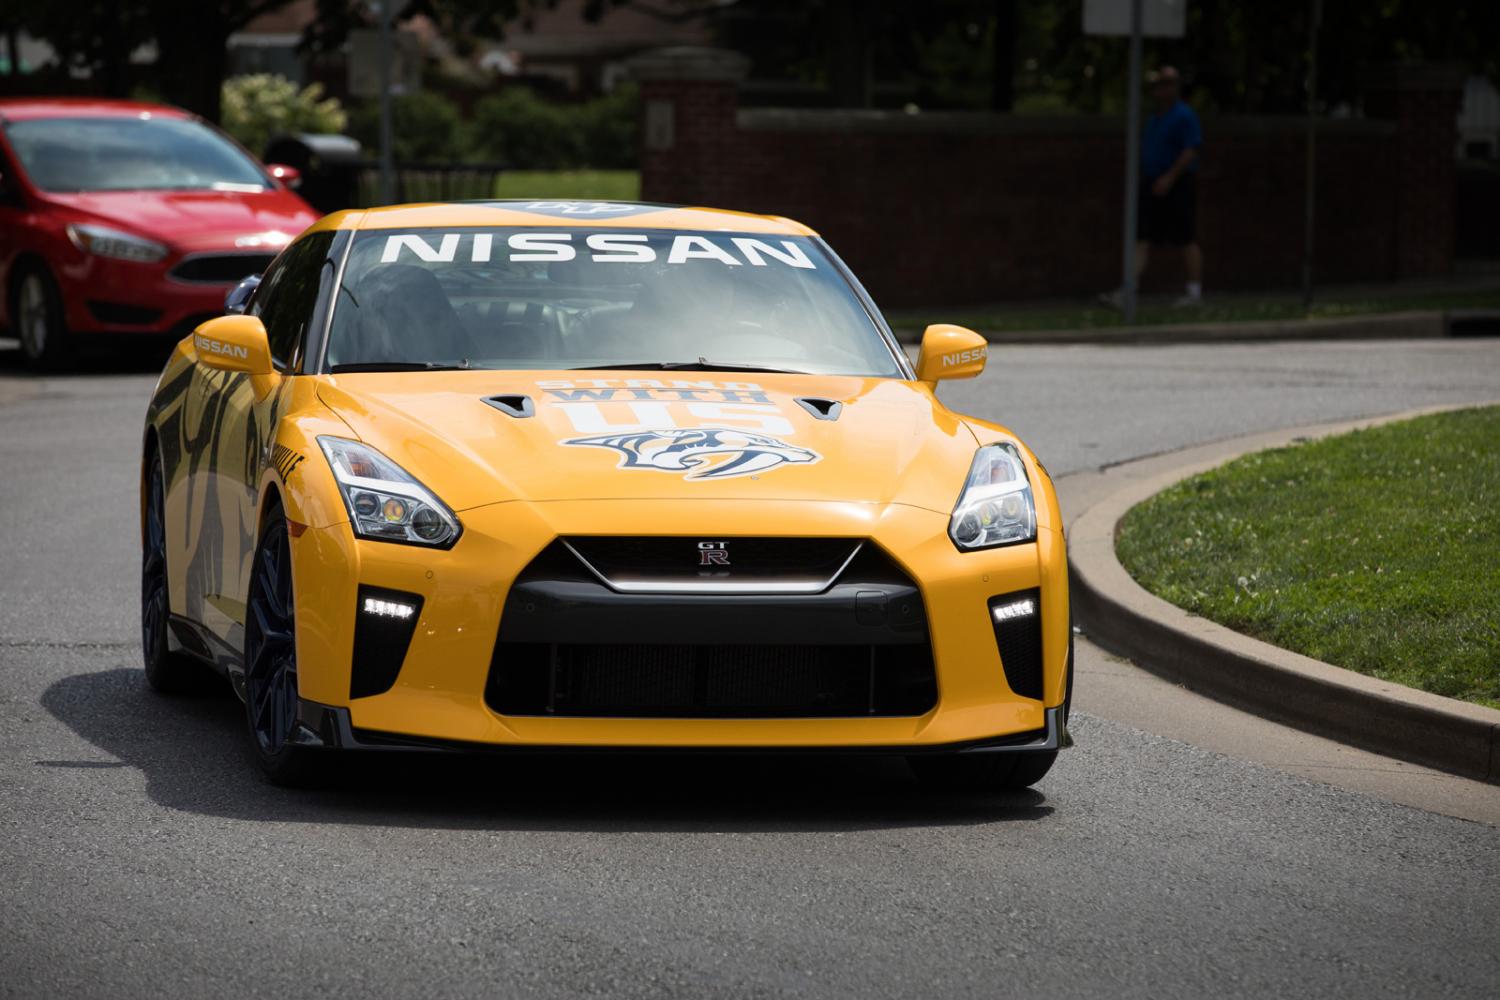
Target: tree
190,36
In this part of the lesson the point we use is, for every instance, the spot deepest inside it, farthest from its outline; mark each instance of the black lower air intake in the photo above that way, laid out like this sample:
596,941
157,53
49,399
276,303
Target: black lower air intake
384,622
1017,618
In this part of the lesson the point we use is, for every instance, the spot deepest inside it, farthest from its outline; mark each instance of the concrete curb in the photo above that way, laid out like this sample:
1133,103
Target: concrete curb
1414,325
1286,687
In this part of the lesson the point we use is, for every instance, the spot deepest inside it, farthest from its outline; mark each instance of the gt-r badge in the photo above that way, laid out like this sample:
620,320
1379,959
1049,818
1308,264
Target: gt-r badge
713,554
700,453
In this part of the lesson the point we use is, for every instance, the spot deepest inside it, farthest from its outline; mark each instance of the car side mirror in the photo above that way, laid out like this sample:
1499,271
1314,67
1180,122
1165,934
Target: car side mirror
238,297
950,351
237,344
290,176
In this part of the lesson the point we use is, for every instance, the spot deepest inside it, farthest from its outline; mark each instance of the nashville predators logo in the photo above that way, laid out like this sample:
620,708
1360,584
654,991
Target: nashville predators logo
700,453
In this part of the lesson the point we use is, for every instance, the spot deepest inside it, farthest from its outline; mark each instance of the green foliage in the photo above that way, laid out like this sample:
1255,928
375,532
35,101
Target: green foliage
525,132
261,106
1378,551
425,127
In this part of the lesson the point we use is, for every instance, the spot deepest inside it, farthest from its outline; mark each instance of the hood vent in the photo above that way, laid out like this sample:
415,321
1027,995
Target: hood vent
513,404
823,409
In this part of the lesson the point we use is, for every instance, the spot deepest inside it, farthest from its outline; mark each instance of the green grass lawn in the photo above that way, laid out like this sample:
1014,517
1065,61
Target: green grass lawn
1378,551
998,319
598,185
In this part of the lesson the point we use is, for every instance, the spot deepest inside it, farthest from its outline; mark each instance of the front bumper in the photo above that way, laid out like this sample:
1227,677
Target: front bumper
439,695
328,727
104,295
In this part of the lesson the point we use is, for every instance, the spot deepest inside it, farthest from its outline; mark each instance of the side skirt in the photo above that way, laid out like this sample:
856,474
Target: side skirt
193,638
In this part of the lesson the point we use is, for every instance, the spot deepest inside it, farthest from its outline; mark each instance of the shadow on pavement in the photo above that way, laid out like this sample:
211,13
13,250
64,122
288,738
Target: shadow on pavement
132,356
195,756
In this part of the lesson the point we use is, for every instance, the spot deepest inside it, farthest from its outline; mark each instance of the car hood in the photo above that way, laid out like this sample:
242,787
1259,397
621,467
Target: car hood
623,435
198,220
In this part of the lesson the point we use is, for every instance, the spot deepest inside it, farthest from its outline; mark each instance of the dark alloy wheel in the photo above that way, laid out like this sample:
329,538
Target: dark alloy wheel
37,311
271,657
167,671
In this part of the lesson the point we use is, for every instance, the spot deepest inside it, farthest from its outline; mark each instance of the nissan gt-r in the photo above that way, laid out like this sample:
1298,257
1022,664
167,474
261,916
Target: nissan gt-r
573,476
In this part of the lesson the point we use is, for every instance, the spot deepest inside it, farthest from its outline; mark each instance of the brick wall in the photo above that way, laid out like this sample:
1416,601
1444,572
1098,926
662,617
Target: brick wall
956,208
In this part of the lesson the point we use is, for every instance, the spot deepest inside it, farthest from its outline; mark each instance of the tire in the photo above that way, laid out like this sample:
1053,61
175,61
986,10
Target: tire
988,772
36,308
167,672
271,690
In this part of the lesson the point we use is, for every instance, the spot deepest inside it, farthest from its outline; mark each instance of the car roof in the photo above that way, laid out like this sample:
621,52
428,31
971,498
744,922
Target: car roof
25,108
569,213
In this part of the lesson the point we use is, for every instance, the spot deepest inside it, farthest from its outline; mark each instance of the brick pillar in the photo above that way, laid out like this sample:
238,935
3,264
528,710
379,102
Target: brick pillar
1423,101
689,101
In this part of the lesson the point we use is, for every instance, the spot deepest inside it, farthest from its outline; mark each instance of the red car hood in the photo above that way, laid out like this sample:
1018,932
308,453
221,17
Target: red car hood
198,220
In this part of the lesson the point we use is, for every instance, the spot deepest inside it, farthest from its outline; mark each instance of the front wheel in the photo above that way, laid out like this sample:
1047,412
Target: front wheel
271,658
166,671
983,772
37,311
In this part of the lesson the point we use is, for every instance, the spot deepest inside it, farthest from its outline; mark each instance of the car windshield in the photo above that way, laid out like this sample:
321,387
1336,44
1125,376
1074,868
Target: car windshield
131,154
609,298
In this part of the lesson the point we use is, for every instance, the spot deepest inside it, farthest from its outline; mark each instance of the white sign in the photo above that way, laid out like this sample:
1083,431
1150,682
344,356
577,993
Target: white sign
1159,18
603,248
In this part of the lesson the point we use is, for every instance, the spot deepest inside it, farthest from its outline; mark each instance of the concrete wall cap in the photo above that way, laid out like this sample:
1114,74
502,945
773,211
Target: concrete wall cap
690,62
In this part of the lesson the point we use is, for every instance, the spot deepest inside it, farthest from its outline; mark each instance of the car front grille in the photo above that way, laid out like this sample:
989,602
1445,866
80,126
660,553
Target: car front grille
712,682
571,644
221,269
123,314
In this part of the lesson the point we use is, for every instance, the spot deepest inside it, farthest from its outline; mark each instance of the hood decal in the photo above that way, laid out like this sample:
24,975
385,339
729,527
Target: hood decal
700,453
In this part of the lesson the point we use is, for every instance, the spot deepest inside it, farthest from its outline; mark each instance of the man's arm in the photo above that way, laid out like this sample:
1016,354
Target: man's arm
1164,183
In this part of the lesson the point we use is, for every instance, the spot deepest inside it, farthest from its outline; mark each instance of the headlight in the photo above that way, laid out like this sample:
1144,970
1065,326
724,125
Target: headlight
107,242
995,507
384,501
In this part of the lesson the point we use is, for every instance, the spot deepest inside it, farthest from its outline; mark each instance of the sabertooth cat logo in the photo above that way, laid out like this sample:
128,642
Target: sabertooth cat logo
700,453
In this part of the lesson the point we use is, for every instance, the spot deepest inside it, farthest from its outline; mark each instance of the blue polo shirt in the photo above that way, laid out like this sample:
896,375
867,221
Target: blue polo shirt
1167,134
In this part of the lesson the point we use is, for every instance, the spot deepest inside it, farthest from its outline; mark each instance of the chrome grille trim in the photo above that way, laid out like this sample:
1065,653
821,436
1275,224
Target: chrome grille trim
792,586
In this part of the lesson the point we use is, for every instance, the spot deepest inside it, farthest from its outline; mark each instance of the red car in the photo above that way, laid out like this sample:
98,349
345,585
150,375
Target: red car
121,217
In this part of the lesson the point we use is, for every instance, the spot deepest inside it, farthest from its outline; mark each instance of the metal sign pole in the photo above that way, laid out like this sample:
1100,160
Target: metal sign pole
1309,209
1132,162
387,168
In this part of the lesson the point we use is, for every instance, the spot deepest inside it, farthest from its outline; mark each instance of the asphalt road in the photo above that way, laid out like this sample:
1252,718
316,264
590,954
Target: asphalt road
141,856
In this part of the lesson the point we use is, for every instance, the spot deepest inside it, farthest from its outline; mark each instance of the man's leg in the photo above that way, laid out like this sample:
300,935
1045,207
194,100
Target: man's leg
1192,256
1142,255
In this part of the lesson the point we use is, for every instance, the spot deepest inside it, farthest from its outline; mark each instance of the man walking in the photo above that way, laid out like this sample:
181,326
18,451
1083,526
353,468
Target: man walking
1169,184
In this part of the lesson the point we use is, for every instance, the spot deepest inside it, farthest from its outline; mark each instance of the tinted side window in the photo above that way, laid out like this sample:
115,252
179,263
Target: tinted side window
287,297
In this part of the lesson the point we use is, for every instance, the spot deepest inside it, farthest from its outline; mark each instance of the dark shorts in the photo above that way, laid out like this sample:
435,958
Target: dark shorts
1173,218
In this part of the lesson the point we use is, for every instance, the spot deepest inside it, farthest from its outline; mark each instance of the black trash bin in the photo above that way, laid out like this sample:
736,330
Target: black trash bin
329,165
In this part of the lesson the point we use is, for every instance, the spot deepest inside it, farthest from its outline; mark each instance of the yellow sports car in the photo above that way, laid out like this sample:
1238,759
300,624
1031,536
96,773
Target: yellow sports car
574,475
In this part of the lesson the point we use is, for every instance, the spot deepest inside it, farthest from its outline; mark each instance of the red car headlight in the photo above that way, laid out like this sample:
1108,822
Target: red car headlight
105,242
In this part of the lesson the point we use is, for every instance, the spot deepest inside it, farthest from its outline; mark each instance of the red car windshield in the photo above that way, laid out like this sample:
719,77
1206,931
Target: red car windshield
131,154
